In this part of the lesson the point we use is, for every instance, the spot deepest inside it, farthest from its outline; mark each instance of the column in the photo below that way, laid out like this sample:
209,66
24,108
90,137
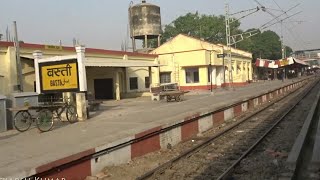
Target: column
81,101
250,71
37,56
243,79
117,86
81,106
235,67
81,68
145,41
214,75
246,71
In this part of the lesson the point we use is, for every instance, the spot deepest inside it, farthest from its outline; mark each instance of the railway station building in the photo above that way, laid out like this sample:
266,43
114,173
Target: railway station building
110,74
192,63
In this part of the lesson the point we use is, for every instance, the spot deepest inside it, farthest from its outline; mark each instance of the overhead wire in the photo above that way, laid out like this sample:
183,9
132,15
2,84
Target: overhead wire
277,18
285,25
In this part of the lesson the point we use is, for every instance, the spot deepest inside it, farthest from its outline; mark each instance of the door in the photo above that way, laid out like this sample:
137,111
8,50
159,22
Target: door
103,88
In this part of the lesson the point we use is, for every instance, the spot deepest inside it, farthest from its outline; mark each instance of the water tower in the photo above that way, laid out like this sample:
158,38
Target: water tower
144,23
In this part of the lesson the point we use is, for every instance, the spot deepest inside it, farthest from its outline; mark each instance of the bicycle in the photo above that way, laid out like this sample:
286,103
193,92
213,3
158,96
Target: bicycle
46,114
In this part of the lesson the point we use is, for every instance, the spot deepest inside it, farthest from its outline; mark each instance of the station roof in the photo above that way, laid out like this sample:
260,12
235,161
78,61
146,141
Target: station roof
69,48
103,62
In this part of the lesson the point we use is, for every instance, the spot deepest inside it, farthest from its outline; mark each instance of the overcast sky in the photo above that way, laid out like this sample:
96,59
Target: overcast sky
103,23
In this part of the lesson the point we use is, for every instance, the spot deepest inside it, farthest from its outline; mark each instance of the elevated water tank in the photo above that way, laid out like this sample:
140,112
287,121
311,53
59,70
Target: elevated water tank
145,21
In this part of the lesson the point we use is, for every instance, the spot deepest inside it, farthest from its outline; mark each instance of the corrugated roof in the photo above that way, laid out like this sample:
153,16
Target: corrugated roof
109,62
300,62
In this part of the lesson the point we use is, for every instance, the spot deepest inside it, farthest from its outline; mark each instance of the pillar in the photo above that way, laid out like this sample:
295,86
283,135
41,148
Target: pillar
150,76
37,56
250,71
81,106
159,40
117,86
81,68
243,79
145,41
235,67
81,101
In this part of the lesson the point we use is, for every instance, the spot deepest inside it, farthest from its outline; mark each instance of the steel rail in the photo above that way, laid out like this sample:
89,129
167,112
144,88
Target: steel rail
246,153
95,155
207,142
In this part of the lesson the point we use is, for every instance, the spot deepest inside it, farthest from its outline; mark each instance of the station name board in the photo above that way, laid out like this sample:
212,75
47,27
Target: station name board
59,76
52,47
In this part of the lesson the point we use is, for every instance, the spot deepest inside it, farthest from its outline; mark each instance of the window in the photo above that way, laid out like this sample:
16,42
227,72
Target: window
133,83
147,82
192,75
165,77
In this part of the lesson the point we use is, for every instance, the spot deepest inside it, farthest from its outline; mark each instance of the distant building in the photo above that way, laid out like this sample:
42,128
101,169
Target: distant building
106,69
186,60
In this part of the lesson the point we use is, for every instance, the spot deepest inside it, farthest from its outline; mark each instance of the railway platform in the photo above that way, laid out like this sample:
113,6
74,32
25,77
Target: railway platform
123,130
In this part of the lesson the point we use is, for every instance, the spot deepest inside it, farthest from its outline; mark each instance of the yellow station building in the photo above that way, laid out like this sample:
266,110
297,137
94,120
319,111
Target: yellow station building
192,63
110,74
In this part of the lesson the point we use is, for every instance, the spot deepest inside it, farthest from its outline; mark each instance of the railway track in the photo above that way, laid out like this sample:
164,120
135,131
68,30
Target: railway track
220,153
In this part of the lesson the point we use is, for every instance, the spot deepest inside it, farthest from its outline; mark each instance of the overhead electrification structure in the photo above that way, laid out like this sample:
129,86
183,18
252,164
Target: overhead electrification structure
233,39
278,20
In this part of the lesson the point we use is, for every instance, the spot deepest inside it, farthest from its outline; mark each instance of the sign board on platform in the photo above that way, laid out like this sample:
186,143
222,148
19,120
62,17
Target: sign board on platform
220,55
52,47
59,76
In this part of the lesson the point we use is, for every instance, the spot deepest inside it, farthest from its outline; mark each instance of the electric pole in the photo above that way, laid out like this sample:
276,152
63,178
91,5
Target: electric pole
232,40
18,61
283,48
228,38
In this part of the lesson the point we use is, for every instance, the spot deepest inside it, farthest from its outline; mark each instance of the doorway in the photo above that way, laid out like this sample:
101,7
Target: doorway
103,88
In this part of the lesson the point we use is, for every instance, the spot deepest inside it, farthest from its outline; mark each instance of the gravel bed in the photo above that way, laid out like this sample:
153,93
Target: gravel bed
266,161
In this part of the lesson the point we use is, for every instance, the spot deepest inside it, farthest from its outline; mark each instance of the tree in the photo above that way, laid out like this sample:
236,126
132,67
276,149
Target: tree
265,44
210,28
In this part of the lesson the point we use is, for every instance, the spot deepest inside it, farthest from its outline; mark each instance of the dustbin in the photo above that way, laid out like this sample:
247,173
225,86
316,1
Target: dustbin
21,100
3,117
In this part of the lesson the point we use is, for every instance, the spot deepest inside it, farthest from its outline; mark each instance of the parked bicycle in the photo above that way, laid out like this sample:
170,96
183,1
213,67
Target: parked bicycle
44,116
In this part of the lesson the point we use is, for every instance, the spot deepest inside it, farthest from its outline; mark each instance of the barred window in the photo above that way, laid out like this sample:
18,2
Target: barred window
133,83
192,75
165,77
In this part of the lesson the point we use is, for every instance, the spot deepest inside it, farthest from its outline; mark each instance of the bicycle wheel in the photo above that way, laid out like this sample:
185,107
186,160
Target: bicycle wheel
57,113
178,98
71,112
22,121
44,120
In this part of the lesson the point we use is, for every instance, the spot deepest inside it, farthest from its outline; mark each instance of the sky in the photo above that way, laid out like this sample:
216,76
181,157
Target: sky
103,23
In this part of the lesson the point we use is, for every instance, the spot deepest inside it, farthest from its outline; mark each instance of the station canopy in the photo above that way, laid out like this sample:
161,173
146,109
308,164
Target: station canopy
110,62
274,64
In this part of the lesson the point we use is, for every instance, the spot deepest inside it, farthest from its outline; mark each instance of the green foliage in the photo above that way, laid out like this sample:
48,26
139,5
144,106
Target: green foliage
211,28
208,27
266,45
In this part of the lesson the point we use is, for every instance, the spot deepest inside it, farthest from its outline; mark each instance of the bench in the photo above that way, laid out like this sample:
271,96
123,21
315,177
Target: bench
156,93
169,93
94,105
